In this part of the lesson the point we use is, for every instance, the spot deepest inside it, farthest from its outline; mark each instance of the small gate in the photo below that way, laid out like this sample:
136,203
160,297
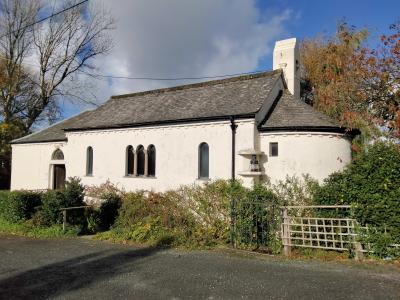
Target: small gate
254,224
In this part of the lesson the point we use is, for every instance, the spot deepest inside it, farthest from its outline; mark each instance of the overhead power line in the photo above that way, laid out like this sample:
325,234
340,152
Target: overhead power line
125,77
96,76
48,17
170,78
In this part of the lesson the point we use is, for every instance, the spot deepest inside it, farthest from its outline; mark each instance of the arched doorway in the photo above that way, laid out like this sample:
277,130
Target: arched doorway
58,170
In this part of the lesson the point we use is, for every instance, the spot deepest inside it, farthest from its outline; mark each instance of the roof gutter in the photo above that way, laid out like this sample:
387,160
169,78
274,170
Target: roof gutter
164,122
351,132
16,142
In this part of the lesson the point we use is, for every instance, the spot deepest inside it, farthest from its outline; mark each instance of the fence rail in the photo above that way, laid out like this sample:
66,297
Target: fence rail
64,212
258,224
319,232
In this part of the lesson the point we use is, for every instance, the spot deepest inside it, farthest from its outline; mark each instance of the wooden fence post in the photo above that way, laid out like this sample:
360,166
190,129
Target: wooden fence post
285,234
357,246
64,219
358,251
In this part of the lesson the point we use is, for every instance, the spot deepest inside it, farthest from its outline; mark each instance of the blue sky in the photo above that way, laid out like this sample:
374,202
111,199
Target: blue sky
312,17
176,38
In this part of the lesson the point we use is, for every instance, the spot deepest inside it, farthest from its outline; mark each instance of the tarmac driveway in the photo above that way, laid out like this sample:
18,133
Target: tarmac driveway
85,269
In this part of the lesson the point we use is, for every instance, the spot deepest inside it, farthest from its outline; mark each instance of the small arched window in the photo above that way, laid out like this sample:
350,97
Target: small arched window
203,160
151,160
140,160
129,161
57,155
89,161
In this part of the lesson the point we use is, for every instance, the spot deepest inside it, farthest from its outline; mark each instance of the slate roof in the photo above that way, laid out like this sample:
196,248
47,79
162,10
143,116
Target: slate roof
291,113
237,96
240,96
53,133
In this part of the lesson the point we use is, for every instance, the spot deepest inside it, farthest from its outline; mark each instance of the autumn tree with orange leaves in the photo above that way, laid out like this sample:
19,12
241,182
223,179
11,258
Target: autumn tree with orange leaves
356,85
385,64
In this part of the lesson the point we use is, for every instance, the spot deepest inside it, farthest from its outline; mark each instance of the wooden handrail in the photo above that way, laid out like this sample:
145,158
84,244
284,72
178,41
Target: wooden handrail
75,207
317,206
65,209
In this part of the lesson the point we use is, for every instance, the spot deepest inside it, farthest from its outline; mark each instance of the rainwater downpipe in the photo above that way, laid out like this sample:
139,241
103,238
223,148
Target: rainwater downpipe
233,128
233,200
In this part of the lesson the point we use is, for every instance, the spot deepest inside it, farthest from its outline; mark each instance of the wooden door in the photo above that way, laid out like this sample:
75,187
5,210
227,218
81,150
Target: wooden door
59,177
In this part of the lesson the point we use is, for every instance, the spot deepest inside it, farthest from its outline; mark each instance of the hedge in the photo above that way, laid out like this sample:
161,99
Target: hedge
17,206
371,183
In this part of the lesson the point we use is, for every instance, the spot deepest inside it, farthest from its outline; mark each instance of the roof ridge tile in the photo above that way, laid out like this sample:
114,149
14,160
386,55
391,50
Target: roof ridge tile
200,84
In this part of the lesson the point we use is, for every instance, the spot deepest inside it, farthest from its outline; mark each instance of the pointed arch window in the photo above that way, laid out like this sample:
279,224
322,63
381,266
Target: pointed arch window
89,161
151,160
129,161
140,160
203,161
57,155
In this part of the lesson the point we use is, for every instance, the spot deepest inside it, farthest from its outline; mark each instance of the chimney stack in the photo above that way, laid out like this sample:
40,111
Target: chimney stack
287,57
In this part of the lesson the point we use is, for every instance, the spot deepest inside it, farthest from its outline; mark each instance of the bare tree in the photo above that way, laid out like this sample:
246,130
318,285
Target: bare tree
15,46
58,50
40,64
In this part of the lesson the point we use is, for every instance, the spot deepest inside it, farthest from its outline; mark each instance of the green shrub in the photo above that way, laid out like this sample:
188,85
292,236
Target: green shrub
133,209
36,211
192,215
147,218
50,212
74,196
295,190
380,243
92,221
110,198
371,183
108,211
209,206
257,219
263,194
18,206
3,196
3,202
74,192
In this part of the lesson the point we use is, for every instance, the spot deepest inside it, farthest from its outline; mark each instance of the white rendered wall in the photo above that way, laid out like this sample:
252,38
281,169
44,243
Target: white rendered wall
176,153
316,154
32,165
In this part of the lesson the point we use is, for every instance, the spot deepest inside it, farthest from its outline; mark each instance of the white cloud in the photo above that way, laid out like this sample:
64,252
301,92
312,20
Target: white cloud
178,38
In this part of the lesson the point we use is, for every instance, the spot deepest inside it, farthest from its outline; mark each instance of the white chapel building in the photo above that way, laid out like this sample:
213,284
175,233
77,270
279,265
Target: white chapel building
251,128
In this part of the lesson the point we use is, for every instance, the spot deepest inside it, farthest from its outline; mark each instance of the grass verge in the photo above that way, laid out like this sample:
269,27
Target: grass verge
161,238
26,229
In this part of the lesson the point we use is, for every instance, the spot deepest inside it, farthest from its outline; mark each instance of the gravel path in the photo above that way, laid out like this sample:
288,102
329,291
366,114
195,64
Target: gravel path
85,269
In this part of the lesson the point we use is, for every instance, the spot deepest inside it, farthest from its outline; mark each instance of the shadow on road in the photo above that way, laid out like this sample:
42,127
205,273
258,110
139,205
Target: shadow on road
55,279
